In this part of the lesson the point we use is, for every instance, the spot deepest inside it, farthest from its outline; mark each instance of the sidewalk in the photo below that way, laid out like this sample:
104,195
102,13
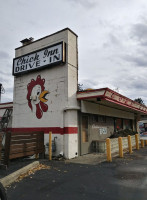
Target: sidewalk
91,159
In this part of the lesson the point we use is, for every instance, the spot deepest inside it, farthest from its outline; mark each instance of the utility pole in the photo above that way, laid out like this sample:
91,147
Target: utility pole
2,91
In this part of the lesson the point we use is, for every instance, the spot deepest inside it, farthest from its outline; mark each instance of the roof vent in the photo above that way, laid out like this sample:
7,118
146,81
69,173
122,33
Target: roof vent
27,41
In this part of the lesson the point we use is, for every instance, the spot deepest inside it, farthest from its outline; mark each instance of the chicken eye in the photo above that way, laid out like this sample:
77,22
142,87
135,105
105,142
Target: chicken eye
38,93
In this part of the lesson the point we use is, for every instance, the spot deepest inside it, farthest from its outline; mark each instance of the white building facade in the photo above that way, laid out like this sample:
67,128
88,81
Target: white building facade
57,110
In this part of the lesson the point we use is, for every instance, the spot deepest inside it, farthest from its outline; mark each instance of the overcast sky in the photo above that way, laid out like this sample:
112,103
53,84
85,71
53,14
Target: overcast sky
112,39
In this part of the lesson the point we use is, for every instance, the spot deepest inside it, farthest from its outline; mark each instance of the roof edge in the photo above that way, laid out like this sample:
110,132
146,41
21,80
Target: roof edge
6,103
49,36
114,92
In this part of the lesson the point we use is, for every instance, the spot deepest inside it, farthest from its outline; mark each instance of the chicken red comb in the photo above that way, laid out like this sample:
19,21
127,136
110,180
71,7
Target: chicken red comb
30,86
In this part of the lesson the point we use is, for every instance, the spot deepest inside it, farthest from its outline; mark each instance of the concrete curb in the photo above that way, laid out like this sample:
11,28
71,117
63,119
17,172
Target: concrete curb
13,177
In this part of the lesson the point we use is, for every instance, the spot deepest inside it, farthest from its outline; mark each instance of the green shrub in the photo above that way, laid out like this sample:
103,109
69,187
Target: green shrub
123,133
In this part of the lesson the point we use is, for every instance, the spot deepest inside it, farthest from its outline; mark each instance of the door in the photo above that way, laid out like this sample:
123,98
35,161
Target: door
84,135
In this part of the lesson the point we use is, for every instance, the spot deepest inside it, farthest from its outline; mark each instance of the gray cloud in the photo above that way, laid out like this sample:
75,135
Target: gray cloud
127,85
8,95
87,83
85,3
2,79
131,85
140,85
113,39
5,99
98,24
5,73
4,55
9,90
140,61
139,32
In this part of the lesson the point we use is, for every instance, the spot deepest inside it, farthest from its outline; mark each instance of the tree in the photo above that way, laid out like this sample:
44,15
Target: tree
139,100
80,87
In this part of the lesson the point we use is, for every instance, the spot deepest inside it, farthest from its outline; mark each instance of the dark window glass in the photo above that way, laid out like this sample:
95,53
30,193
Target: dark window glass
95,118
102,119
118,124
127,124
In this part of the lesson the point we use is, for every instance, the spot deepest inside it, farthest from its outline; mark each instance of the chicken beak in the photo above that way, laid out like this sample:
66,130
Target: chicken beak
42,96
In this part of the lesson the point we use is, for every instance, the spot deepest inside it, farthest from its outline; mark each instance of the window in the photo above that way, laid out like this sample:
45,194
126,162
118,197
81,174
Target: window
118,124
127,124
102,119
94,118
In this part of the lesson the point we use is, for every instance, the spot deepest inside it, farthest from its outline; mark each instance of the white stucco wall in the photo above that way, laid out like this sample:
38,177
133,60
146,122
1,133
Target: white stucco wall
88,107
61,82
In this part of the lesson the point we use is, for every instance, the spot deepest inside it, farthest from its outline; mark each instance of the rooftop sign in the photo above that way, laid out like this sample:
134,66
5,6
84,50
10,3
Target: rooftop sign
51,55
113,97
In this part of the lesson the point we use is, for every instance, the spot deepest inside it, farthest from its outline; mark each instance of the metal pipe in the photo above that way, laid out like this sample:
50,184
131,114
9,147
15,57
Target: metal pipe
50,145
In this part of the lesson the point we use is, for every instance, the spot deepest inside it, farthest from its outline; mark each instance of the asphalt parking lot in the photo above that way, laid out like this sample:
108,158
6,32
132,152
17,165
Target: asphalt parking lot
123,179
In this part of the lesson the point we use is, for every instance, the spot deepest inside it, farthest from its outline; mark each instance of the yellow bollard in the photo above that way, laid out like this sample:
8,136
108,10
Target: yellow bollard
137,141
50,145
129,144
120,147
108,145
145,142
142,143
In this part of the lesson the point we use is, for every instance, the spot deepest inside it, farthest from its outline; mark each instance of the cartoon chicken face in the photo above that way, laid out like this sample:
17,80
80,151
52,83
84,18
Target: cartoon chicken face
37,96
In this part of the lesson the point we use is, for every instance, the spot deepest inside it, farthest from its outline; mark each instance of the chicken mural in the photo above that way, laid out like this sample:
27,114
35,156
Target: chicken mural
37,96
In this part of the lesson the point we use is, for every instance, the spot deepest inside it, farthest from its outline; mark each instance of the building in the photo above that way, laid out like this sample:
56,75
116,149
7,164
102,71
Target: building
46,98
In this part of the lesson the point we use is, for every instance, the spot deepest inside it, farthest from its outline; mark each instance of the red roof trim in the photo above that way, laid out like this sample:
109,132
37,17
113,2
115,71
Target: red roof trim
98,96
116,102
108,89
113,100
88,91
6,103
6,107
